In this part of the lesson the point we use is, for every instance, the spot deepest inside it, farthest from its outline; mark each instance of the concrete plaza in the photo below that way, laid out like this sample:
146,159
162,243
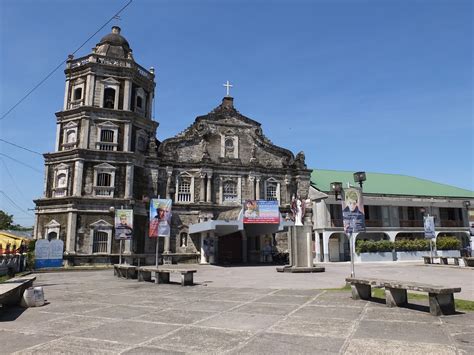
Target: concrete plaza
236,310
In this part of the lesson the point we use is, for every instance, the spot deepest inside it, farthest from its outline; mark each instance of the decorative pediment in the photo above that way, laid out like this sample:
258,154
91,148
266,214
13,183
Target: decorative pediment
105,166
71,124
61,166
100,224
111,81
52,224
107,124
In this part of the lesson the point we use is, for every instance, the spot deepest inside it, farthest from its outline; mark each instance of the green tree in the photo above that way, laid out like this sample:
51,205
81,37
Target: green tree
6,220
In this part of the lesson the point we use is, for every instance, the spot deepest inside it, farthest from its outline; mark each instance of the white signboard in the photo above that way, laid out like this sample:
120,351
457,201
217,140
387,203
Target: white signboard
429,226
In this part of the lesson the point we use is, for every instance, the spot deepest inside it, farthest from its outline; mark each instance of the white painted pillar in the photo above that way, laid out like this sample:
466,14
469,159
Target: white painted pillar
203,256
239,189
45,182
129,181
78,172
192,189
257,188
326,236
278,194
71,233
317,247
213,257
208,190
252,187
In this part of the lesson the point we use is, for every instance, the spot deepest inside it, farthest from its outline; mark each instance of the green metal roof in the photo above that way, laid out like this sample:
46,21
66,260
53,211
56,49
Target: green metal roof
388,184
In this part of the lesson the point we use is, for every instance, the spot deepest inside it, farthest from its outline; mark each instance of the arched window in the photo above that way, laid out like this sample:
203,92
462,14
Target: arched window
77,94
229,148
139,102
61,180
183,239
184,191
229,191
271,192
109,98
52,235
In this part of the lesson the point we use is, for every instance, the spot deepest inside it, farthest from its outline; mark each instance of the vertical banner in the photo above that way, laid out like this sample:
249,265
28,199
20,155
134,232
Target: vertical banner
353,211
429,226
123,224
160,218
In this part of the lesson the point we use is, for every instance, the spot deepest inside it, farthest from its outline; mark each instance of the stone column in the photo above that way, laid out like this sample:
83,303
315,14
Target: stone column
84,134
287,190
278,193
71,233
127,138
252,187
202,188
78,172
45,183
192,189
208,190
244,246
239,189
221,190
169,173
127,94
58,134
129,181
66,95
203,257
88,90
257,188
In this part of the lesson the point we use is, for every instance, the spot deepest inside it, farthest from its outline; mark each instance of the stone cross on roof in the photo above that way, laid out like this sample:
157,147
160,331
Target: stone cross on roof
228,86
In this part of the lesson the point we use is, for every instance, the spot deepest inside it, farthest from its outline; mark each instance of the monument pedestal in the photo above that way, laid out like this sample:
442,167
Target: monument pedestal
301,254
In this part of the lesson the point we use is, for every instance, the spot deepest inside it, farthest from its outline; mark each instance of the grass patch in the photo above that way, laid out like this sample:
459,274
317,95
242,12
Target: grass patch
462,305
345,288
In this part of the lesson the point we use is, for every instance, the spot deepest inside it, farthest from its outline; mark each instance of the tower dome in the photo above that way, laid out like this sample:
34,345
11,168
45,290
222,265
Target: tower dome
114,45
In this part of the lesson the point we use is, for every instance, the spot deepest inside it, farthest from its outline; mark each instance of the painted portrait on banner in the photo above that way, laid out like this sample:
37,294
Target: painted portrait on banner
261,211
429,227
123,224
353,211
160,218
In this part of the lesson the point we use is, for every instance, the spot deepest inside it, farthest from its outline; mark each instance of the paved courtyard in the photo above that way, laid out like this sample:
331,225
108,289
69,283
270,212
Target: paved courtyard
234,310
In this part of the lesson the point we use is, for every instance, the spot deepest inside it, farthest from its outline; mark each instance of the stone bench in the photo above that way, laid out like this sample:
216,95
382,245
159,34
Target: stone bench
441,298
126,271
162,274
443,260
11,291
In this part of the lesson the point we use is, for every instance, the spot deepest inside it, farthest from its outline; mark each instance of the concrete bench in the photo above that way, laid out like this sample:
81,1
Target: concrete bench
126,271
11,291
441,298
162,274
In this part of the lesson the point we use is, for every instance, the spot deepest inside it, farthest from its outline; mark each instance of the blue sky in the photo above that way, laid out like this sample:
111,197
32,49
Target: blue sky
376,85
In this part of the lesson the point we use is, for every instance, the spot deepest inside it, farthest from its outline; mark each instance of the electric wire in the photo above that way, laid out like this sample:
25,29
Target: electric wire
19,146
14,203
20,162
64,61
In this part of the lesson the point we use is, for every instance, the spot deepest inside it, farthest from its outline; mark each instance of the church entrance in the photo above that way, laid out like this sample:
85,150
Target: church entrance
230,249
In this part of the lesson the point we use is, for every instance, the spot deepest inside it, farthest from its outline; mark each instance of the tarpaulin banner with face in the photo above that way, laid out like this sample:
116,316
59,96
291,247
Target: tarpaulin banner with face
123,224
353,211
160,218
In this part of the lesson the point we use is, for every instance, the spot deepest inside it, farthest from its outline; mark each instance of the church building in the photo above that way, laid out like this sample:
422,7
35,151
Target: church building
107,157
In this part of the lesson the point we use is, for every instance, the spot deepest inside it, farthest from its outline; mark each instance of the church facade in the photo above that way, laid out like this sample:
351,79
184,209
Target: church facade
107,157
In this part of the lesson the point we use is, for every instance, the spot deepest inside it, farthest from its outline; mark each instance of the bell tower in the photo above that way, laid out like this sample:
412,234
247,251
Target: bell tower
104,134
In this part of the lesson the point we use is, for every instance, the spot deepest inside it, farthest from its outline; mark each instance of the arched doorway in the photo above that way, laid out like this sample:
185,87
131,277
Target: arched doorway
339,248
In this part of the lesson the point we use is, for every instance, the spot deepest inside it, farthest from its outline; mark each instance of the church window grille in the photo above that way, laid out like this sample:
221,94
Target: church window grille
184,191
107,139
103,179
230,191
109,98
77,94
100,242
271,193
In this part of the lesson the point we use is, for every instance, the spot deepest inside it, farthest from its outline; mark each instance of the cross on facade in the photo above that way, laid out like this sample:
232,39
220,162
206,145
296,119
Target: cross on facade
228,86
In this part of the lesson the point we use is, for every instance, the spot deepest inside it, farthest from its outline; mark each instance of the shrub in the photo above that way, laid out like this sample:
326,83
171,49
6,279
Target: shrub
448,243
412,245
371,246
